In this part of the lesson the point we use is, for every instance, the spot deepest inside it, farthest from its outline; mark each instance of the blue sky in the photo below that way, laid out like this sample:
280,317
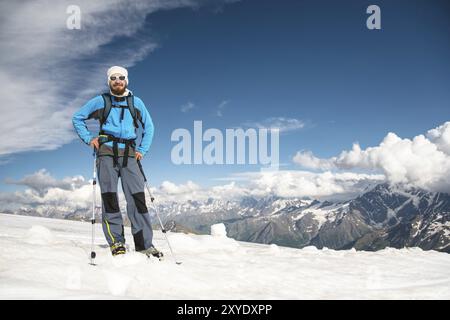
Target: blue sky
314,61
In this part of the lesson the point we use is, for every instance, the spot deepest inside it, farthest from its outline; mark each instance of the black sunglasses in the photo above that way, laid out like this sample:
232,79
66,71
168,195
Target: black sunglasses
113,78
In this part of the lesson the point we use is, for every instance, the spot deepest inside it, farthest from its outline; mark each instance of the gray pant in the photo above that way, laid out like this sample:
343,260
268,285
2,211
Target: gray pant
133,188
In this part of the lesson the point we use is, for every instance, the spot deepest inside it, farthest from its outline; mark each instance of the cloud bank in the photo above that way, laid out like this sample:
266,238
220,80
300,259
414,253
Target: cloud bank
74,194
42,181
423,161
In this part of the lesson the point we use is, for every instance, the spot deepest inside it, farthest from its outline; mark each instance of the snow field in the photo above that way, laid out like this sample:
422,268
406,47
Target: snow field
49,259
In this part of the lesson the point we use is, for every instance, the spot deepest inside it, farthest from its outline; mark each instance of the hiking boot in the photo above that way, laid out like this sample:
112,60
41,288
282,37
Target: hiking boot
152,251
118,248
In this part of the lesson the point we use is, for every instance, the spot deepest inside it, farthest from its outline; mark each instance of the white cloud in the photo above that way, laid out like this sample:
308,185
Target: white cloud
423,162
281,123
41,181
49,71
283,183
171,192
296,183
71,194
170,188
440,136
187,107
49,193
308,160
220,108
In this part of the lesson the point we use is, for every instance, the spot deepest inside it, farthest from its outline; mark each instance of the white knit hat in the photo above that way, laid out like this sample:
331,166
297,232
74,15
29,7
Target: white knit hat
120,70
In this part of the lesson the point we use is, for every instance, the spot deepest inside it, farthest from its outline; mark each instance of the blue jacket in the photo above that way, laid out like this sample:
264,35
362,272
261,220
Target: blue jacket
114,125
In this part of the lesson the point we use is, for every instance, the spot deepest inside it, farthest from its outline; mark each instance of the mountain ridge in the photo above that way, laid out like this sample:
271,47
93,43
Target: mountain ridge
383,216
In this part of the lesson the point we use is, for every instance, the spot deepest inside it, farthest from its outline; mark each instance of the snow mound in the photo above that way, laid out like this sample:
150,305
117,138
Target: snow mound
39,235
310,249
203,243
218,230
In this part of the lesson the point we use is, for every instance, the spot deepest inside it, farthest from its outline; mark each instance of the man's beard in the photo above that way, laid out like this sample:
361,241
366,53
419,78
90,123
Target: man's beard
118,90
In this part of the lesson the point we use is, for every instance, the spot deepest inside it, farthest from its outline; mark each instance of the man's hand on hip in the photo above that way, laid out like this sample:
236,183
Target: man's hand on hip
94,143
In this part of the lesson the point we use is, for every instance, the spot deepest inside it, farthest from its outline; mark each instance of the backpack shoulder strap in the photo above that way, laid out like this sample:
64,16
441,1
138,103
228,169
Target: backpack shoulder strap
107,108
130,103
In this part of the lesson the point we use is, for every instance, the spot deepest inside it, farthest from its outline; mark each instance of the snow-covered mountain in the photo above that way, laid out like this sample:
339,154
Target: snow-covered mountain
380,217
49,259
385,216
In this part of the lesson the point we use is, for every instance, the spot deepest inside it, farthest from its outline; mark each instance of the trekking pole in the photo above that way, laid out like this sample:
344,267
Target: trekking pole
164,231
94,207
